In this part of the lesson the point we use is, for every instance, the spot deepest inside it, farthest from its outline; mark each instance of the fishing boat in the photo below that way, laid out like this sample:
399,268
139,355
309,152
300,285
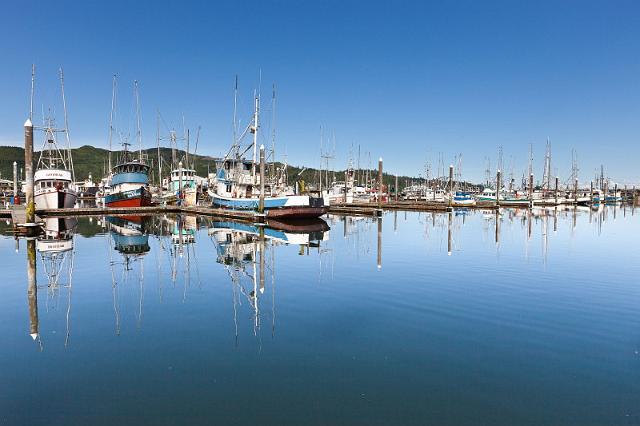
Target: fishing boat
54,186
129,180
461,199
513,199
129,186
237,184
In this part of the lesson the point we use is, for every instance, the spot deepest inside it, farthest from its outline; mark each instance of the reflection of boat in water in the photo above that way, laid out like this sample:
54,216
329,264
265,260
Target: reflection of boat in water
307,232
129,235
242,249
131,239
56,249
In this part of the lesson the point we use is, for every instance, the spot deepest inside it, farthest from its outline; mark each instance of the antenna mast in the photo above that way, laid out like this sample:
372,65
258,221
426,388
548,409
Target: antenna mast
138,131
33,82
113,105
66,126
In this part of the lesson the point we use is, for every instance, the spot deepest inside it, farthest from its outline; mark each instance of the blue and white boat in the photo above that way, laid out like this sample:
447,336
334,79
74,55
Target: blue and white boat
461,199
237,185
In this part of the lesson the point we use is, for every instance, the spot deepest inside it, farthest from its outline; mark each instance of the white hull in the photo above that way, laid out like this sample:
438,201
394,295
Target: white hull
52,198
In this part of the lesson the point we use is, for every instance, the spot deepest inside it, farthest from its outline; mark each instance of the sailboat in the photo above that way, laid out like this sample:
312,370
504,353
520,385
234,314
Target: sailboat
54,186
129,181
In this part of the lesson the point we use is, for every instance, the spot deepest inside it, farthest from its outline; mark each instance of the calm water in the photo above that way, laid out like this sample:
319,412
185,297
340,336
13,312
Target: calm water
414,319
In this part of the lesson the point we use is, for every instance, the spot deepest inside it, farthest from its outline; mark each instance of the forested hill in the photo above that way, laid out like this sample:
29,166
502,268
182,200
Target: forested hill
90,160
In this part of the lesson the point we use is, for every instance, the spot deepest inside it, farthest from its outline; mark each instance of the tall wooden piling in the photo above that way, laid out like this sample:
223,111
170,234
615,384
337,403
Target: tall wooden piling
450,185
380,182
591,192
261,202
575,191
396,188
498,187
555,192
346,177
531,189
180,196
28,167
15,179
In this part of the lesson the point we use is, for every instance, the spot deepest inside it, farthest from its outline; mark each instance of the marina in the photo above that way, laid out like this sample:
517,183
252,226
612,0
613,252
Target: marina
207,308
320,213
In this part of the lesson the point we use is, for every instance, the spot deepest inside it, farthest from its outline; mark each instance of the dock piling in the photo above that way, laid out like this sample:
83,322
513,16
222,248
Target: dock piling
498,186
28,166
261,202
380,182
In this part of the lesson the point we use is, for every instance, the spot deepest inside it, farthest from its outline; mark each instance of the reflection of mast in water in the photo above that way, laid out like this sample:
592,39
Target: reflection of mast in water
449,233
379,242
55,246
497,227
545,229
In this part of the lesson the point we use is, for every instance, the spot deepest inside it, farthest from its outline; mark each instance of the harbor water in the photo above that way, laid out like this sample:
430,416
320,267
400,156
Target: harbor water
466,317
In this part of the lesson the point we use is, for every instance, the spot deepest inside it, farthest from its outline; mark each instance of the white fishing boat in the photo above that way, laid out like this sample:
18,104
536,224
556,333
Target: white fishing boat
460,199
54,186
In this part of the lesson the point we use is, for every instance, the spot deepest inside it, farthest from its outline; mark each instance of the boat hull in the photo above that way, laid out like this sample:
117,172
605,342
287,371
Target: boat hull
135,198
300,206
296,212
55,199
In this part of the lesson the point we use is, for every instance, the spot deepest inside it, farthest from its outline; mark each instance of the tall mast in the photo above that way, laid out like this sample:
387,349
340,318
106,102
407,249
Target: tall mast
235,112
255,135
138,131
66,126
113,106
185,137
158,145
273,130
33,82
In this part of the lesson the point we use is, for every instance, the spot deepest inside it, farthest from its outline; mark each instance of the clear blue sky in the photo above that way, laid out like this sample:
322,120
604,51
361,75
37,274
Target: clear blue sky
404,80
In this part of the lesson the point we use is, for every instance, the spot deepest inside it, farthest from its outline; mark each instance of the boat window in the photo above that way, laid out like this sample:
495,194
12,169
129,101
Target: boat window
228,187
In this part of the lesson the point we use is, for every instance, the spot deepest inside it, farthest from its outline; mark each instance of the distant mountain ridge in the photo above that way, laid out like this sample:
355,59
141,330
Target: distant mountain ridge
91,160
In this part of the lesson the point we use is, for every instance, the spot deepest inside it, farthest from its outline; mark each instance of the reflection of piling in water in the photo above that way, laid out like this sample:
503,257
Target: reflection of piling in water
32,289
262,256
555,219
449,238
395,220
497,226
529,223
345,232
379,242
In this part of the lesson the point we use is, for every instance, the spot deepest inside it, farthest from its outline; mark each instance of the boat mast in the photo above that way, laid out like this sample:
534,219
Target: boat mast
66,127
235,112
273,131
33,82
255,135
113,105
138,131
158,147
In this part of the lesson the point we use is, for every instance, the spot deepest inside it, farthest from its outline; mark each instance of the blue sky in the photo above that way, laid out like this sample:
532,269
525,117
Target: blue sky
404,80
